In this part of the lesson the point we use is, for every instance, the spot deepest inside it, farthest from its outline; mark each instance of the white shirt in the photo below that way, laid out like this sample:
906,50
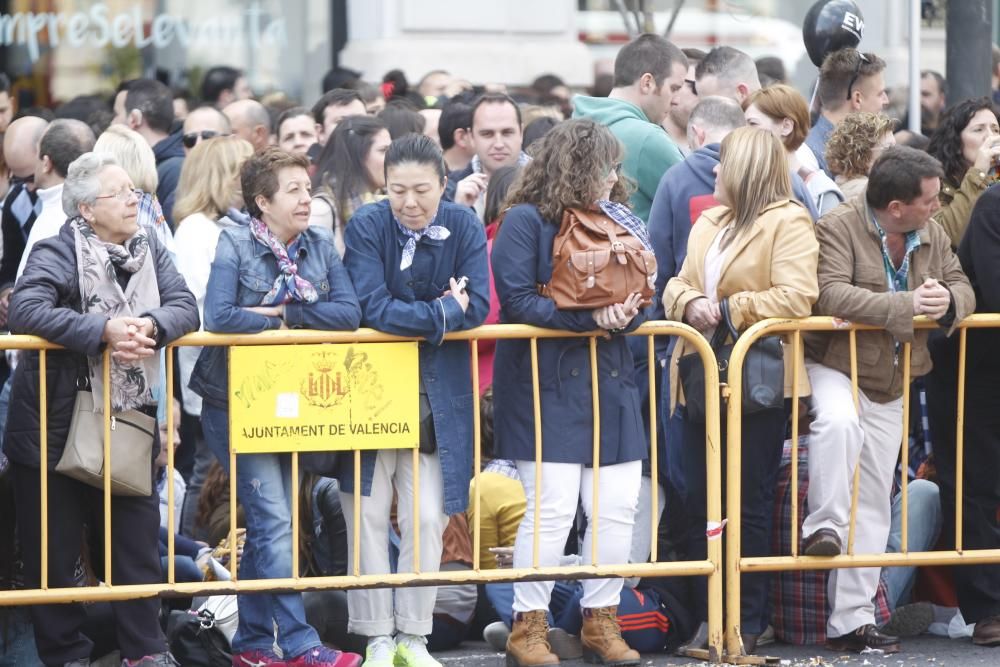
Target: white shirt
196,239
48,222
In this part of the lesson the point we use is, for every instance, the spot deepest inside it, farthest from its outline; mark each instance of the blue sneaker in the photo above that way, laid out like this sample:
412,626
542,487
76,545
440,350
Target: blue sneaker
321,656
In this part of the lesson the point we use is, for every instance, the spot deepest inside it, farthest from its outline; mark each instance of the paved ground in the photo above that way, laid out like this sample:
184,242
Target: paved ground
924,651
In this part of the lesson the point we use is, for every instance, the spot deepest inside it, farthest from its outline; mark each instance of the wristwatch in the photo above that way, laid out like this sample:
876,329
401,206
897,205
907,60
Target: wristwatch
156,328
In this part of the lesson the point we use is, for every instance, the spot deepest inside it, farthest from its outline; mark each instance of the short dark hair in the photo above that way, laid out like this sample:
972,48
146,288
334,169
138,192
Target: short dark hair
65,140
259,175
454,116
154,100
941,83
535,130
899,174
291,112
694,55
647,53
496,192
4,83
401,118
338,97
771,69
494,98
725,62
340,77
217,80
544,84
837,71
416,148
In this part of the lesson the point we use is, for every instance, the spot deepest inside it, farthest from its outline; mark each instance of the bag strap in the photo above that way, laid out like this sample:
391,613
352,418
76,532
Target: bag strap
727,319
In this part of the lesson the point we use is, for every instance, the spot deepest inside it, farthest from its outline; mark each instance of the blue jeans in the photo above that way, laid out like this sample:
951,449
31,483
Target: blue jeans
924,521
4,405
17,638
263,487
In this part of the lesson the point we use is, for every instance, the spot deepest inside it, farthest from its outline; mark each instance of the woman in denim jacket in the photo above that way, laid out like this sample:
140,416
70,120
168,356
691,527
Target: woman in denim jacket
274,273
406,256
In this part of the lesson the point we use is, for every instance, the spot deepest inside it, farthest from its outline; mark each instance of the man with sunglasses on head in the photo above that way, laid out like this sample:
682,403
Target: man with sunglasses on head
203,123
848,81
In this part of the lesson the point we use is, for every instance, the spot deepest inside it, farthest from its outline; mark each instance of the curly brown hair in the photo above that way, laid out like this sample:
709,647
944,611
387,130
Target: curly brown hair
849,149
569,168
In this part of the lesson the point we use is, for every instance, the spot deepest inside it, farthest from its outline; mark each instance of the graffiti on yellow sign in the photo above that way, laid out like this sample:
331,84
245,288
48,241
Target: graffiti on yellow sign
286,398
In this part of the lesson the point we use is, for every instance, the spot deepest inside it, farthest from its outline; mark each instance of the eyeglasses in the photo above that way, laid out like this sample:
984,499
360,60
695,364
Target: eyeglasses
862,58
190,140
693,84
123,195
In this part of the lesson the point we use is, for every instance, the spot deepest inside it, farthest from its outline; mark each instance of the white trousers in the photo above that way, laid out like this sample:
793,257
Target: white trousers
372,612
839,438
563,486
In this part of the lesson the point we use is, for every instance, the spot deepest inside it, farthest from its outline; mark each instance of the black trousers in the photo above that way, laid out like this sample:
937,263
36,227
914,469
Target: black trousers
977,586
135,524
763,438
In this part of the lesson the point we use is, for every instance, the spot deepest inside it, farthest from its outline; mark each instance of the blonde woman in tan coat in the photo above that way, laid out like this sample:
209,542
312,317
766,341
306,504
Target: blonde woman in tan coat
757,251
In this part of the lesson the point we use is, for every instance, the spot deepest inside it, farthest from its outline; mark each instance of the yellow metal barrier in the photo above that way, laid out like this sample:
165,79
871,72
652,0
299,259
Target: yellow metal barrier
710,567
735,563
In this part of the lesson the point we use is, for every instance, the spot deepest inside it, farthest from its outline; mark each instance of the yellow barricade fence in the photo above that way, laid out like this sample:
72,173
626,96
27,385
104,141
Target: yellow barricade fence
735,563
710,567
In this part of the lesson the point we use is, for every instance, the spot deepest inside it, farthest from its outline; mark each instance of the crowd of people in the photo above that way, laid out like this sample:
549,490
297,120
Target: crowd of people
130,221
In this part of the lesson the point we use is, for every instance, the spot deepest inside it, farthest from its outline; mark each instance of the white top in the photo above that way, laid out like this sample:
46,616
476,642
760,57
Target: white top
806,157
48,223
196,239
180,488
714,258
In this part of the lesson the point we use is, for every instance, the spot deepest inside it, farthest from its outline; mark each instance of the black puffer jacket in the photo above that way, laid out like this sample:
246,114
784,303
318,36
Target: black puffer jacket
46,303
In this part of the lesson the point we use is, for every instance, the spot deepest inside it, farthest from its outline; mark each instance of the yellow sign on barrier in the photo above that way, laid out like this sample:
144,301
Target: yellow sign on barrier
286,398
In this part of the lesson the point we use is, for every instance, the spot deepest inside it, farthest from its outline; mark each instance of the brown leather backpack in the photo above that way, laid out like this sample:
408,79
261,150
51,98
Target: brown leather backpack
596,263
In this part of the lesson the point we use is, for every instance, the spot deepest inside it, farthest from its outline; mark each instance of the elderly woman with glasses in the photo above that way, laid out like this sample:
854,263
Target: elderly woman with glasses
103,282
275,272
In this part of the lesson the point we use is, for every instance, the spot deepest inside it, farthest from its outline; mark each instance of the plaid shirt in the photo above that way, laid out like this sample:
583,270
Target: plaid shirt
798,599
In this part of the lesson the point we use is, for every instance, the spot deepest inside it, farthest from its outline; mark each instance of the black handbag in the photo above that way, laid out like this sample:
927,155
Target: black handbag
763,371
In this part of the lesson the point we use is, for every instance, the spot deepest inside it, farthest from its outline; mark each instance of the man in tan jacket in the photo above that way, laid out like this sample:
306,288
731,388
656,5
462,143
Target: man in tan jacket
882,262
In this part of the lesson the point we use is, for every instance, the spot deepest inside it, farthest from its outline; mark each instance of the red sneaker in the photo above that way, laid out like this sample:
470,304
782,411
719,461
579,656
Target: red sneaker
321,656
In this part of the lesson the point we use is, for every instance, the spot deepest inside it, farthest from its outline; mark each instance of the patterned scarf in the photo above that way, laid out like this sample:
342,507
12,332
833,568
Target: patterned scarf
621,214
431,231
97,263
150,215
289,285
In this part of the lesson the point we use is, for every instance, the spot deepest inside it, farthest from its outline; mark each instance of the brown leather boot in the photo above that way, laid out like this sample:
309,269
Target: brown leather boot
528,644
602,639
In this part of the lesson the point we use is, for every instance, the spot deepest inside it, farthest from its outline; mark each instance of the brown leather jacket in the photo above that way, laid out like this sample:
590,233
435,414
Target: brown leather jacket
853,286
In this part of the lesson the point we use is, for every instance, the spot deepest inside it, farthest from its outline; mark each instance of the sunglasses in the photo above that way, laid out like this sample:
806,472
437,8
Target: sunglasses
191,140
693,84
862,58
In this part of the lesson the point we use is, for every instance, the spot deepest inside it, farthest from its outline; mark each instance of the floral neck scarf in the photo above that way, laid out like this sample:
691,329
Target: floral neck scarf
98,263
289,285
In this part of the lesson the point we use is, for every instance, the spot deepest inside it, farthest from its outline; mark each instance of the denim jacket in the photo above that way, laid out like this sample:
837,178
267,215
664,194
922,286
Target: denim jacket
243,272
409,302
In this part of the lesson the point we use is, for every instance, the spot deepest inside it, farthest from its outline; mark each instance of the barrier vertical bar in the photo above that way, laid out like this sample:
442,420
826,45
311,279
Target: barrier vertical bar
477,457
905,446
653,454
107,465
855,486
169,444
796,352
713,456
357,512
295,515
43,461
537,407
595,404
960,439
232,508
416,510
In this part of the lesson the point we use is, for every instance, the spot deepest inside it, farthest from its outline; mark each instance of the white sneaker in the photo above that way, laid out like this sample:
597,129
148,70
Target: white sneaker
381,652
411,651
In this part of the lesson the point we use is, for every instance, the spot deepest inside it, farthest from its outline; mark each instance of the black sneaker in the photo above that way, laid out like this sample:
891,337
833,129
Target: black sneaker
866,637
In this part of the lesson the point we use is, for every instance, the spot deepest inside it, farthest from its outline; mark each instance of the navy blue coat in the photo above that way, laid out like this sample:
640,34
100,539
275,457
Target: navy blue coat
409,303
522,260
